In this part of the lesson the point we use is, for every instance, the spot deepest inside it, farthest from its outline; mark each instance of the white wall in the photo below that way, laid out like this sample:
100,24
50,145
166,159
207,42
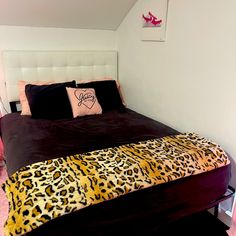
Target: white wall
189,81
34,38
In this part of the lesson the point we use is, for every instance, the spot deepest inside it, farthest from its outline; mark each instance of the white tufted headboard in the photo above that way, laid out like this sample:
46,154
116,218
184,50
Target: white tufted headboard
58,66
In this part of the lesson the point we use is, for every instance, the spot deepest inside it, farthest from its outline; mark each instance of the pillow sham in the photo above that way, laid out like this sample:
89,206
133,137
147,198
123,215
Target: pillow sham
25,109
83,102
107,94
49,101
107,78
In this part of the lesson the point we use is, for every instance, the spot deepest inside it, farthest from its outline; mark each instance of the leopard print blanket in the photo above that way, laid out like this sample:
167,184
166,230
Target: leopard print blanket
44,191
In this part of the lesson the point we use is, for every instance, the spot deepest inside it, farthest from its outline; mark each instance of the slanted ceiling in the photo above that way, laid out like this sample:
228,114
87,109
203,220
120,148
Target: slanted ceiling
84,14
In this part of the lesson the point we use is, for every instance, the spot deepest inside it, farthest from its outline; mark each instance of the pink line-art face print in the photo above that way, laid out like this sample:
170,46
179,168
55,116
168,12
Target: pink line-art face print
151,21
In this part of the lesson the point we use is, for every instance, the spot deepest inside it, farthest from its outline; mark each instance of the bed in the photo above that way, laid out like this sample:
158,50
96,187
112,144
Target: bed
34,142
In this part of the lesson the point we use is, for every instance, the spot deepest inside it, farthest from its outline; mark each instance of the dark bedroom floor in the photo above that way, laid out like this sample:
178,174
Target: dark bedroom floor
201,224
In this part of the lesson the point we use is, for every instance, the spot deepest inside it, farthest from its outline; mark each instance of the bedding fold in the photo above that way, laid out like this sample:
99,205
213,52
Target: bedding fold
27,141
46,190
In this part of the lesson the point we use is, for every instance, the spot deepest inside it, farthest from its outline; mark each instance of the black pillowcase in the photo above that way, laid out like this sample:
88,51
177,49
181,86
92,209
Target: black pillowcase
49,101
107,94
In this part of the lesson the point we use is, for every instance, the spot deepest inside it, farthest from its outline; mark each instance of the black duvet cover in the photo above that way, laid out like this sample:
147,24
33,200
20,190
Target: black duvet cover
27,141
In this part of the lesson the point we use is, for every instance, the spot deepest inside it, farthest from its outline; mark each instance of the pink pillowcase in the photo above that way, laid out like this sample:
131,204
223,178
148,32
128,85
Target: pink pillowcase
25,108
83,101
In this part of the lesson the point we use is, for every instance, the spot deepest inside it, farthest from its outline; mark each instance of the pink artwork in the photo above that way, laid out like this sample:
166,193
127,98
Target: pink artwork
151,21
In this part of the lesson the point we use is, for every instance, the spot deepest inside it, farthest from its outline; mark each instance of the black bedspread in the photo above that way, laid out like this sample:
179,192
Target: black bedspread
27,141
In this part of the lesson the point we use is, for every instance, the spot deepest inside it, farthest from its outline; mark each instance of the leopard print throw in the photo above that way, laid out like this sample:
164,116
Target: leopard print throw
44,191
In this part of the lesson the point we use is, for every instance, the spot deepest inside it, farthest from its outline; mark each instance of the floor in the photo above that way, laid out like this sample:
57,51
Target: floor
202,224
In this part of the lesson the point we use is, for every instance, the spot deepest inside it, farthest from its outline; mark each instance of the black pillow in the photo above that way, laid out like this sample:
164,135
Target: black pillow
49,101
107,94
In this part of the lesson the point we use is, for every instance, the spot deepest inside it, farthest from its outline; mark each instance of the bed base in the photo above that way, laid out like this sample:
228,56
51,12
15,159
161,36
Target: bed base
230,193
13,106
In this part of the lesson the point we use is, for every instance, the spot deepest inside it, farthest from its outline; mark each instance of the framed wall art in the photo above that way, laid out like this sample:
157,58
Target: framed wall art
154,20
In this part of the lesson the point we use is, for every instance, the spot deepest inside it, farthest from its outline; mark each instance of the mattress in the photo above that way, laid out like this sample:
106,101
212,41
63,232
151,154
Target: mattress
27,141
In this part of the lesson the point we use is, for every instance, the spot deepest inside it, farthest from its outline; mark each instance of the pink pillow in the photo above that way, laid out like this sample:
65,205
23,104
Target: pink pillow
83,101
25,109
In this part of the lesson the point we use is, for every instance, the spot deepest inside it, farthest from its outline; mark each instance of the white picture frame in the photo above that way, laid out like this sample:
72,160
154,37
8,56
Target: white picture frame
154,20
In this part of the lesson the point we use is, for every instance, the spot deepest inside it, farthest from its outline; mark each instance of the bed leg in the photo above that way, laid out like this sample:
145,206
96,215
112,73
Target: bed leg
216,210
